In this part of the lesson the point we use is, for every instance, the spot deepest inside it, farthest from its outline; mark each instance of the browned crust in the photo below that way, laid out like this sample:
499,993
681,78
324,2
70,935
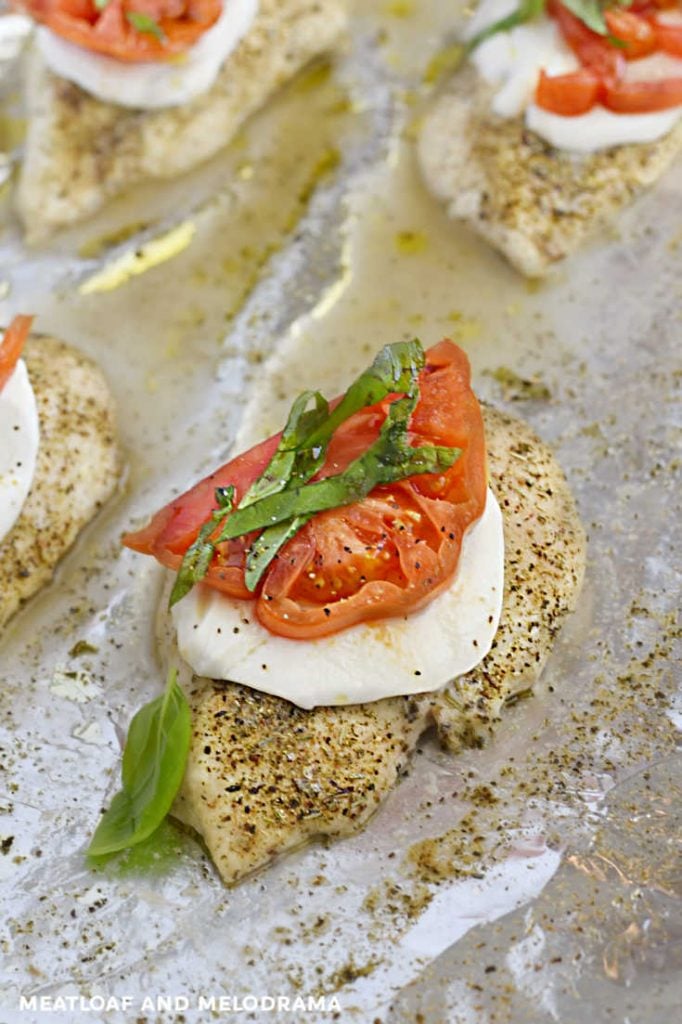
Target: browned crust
76,472
533,203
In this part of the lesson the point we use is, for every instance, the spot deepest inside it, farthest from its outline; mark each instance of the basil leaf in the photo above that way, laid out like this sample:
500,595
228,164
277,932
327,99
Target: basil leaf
199,555
265,547
590,12
526,11
302,450
294,436
101,4
153,766
145,24
390,459
303,447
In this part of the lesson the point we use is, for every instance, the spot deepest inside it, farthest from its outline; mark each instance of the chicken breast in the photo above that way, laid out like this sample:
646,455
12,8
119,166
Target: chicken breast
533,203
76,472
265,776
81,152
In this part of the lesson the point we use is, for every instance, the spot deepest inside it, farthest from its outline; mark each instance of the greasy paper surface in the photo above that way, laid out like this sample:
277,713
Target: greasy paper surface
553,880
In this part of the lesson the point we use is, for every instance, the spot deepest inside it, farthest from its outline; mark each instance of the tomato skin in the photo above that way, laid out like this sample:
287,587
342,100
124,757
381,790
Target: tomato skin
636,33
387,555
569,95
669,38
12,346
643,97
109,32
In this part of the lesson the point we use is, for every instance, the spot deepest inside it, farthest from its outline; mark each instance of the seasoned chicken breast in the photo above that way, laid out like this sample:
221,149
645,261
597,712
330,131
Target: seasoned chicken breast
265,776
81,152
533,203
76,472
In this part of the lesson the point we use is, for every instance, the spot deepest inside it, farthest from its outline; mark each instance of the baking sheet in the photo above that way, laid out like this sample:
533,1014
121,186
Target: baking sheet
523,882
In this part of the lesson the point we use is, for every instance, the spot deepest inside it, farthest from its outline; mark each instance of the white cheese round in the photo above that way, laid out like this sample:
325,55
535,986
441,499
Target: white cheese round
19,439
221,638
512,61
599,128
151,85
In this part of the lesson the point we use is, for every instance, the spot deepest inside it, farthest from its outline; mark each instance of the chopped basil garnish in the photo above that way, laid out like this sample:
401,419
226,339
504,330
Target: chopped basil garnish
526,11
391,458
590,12
199,555
282,500
145,24
153,766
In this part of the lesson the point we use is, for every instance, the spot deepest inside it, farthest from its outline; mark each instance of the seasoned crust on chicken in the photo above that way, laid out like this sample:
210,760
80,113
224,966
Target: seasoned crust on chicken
76,472
533,203
265,776
81,152
544,565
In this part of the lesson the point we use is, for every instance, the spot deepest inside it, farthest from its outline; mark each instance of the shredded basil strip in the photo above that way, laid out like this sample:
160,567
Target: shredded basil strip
590,12
145,24
266,546
154,762
391,458
303,447
281,501
199,555
526,11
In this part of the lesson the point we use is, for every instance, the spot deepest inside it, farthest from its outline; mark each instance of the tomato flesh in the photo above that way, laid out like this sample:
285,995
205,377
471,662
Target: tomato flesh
644,97
636,33
170,27
669,38
12,346
569,95
386,555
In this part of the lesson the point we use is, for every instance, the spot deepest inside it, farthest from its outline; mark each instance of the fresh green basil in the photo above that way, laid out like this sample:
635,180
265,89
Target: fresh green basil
526,11
282,500
154,762
590,12
266,547
391,458
199,555
303,447
145,24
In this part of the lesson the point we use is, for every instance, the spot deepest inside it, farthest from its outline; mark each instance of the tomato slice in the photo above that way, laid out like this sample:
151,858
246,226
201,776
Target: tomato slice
386,555
592,50
636,33
669,38
569,95
12,346
643,97
128,30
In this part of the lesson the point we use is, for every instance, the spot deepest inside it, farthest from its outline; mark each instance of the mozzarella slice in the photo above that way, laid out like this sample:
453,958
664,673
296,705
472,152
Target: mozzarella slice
221,638
151,85
600,128
19,439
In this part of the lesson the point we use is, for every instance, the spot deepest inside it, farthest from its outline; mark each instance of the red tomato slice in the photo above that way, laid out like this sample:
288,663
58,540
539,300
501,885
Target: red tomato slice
569,95
636,33
669,38
387,555
128,30
12,346
593,51
643,97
